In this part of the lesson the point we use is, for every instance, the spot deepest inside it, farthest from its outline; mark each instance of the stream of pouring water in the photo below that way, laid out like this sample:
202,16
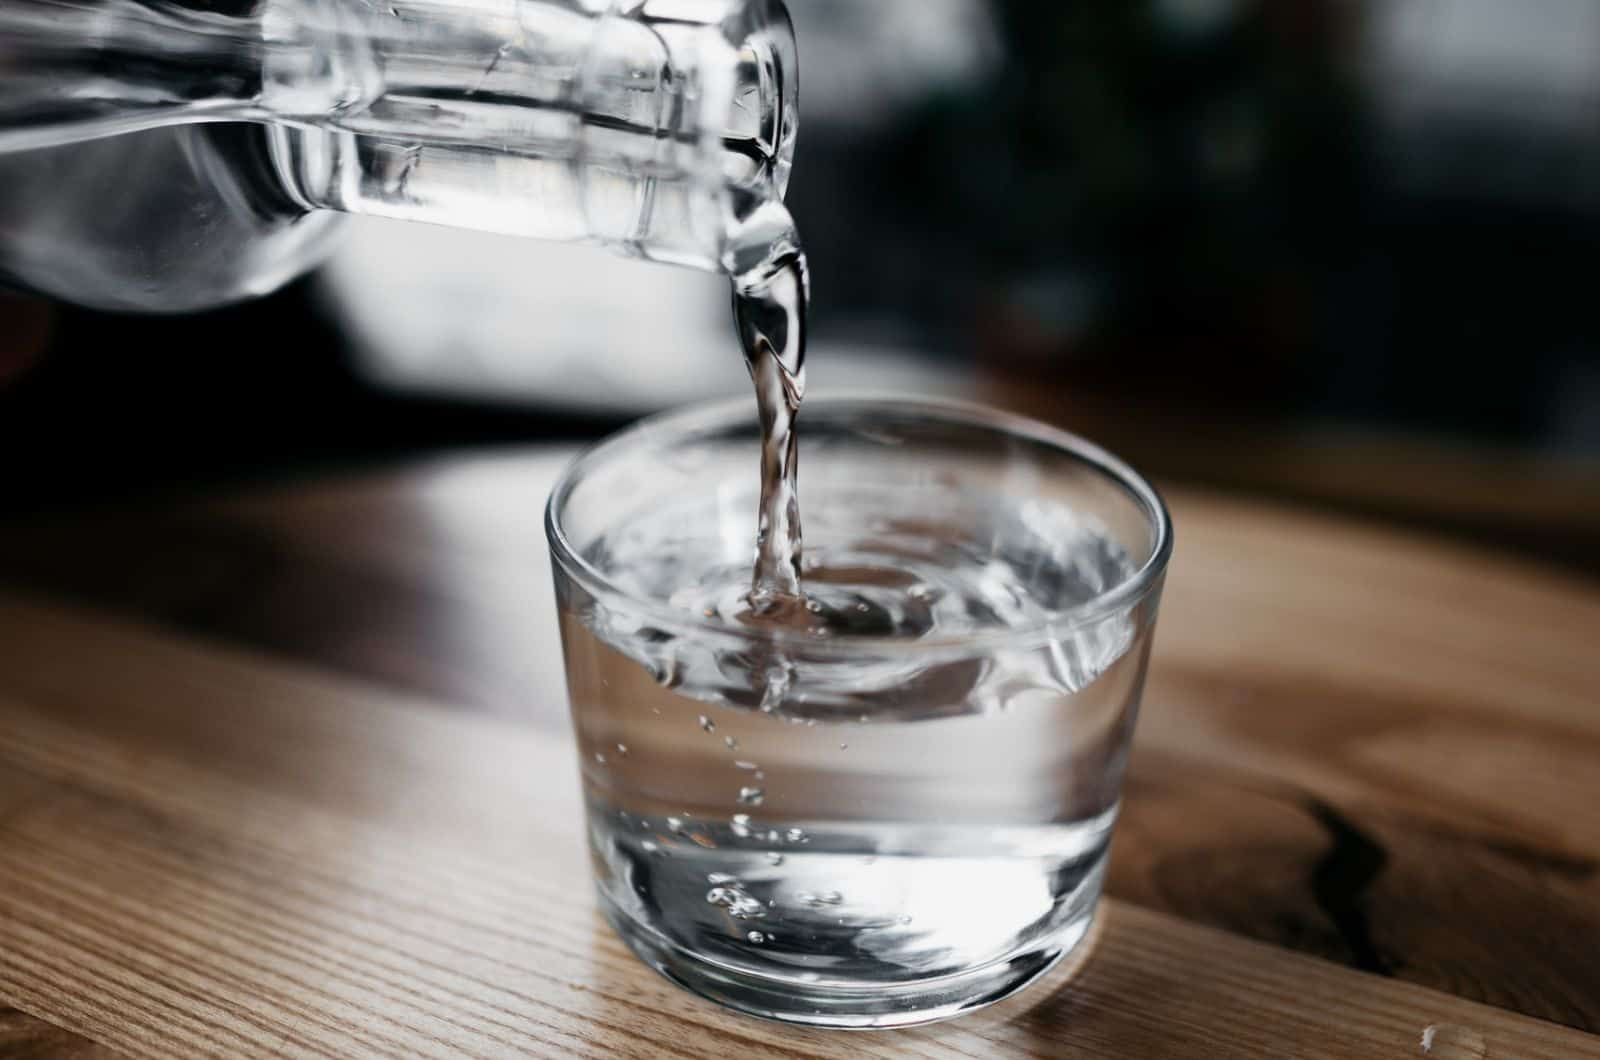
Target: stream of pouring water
771,295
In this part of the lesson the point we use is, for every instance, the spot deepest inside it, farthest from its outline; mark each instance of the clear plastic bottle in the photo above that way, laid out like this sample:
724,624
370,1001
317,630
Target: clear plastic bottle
164,155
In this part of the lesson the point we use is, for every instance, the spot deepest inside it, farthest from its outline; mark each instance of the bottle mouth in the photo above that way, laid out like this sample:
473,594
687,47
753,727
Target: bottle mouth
758,131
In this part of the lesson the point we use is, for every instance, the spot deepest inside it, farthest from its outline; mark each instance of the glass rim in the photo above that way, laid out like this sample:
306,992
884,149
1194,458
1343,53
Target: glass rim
708,416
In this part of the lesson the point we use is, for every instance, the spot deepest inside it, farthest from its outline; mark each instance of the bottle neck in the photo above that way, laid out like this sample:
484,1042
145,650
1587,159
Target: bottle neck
641,131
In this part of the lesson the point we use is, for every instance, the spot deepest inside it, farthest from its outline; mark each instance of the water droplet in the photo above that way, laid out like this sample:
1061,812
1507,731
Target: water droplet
751,796
707,724
648,847
719,878
796,835
732,744
675,825
622,749
1453,1042
774,858
756,937
600,758
748,767
739,824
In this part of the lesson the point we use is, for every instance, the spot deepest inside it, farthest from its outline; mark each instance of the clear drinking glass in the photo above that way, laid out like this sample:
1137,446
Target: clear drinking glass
903,811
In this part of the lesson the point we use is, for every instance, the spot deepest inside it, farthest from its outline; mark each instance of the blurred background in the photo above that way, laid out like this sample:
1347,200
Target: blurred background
1333,252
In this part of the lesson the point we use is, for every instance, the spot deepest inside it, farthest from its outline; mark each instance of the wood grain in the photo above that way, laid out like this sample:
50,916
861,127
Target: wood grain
259,859
328,728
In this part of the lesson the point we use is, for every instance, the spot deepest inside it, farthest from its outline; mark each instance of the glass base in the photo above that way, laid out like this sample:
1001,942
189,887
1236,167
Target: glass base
846,1006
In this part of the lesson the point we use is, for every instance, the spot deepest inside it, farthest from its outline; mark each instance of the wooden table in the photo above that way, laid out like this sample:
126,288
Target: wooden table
287,772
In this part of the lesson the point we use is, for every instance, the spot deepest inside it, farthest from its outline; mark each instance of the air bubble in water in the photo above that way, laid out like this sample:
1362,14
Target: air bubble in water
622,749
739,824
666,673
718,879
648,847
748,767
795,835
707,724
751,796
816,901
774,858
675,825
732,744
776,682
736,901
756,937
600,758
